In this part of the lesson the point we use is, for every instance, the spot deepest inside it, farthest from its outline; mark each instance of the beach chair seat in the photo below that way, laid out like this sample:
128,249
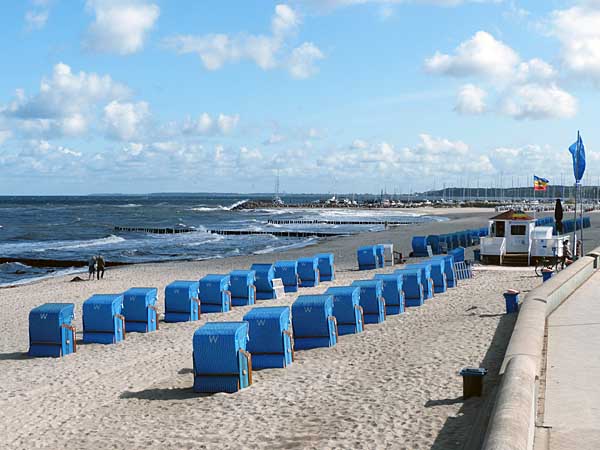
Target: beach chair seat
326,266
139,309
438,275
264,281
241,287
214,294
221,361
392,292
420,247
308,271
313,322
51,332
346,309
458,254
367,258
380,253
411,286
388,254
270,344
449,272
288,272
103,322
371,300
433,240
426,279
181,301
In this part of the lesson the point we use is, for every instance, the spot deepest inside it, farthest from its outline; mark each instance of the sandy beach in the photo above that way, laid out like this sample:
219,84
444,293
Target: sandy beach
393,386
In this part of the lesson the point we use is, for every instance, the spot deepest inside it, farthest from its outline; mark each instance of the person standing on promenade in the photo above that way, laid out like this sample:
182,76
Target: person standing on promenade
91,267
100,266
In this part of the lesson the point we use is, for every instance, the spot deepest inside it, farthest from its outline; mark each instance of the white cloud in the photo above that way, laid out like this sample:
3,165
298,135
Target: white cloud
124,120
535,101
266,51
274,139
227,123
285,20
579,34
65,94
207,125
120,26
302,62
5,135
36,20
471,100
523,89
359,144
482,55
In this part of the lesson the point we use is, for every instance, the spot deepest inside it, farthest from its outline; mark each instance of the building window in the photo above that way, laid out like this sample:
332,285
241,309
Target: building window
518,230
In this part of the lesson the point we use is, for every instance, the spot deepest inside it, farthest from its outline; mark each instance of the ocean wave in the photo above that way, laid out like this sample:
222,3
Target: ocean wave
54,274
14,267
204,208
128,205
280,248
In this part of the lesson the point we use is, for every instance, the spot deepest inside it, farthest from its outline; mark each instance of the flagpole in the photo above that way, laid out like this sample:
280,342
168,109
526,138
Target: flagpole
576,189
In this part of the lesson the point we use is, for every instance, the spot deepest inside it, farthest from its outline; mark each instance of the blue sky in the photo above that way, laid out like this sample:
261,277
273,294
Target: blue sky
139,96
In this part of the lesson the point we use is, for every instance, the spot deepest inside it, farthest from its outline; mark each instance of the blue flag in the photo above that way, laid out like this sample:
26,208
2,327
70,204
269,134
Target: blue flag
578,152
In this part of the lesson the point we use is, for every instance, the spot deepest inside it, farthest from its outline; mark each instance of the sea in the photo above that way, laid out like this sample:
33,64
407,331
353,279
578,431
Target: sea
74,228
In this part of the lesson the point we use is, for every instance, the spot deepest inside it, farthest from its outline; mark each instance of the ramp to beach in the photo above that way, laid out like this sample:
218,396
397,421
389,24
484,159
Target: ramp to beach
572,397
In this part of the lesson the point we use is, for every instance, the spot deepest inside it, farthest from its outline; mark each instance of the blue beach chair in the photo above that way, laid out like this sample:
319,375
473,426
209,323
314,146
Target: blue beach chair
313,322
308,271
139,309
288,272
326,266
419,246
264,281
380,253
426,281
367,258
371,300
346,309
438,274
221,362
181,301
412,286
214,294
241,286
103,322
392,292
50,330
270,336
451,279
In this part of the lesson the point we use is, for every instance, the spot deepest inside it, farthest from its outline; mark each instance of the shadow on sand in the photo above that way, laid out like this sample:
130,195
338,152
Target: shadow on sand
466,430
163,394
15,356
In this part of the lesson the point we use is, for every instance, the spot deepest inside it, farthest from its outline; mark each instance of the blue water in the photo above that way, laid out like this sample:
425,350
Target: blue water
74,228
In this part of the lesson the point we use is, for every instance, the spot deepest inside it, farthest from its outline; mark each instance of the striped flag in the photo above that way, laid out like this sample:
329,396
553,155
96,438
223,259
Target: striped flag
539,183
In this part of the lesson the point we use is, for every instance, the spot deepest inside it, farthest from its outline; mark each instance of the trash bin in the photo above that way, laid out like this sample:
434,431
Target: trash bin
472,381
547,274
477,254
511,297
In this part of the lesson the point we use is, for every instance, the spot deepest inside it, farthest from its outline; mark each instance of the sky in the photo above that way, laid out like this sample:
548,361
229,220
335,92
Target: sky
337,96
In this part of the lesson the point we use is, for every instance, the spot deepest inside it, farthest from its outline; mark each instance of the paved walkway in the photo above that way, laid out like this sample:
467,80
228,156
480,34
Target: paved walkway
572,404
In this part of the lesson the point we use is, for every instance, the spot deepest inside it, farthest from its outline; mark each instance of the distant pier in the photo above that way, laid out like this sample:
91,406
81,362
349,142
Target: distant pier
278,233
337,222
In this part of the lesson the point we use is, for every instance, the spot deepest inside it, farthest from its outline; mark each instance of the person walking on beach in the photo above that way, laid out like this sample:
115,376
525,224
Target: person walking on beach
91,267
567,257
100,264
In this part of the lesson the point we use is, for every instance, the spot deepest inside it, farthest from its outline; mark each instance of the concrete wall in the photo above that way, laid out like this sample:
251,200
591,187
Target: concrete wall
512,424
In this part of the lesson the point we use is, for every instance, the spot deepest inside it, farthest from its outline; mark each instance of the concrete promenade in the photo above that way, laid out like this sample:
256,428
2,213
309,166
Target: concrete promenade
572,396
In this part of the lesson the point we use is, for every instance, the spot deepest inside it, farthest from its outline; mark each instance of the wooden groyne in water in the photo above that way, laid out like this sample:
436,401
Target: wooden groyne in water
336,222
155,230
278,233
64,263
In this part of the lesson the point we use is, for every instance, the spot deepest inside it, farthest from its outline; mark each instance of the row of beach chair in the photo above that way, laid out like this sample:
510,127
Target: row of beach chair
226,353
107,317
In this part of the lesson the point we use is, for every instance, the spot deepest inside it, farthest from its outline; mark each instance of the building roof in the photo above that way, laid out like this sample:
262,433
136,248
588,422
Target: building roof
511,214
